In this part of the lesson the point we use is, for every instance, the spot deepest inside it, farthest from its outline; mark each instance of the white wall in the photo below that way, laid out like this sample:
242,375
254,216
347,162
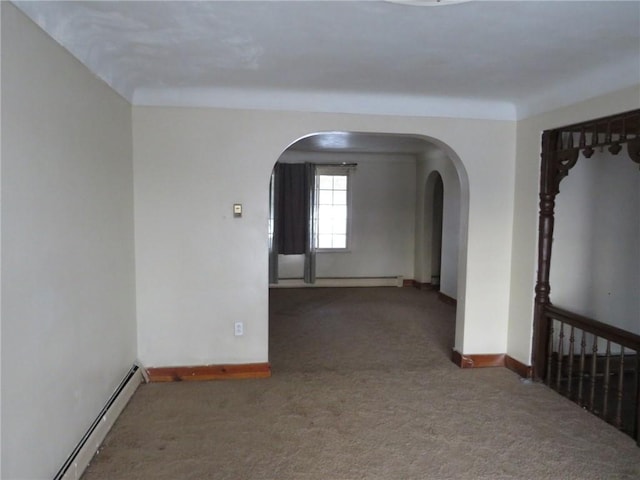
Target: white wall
382,218
596,248
525,220
68,310
0,244
199,269
429,162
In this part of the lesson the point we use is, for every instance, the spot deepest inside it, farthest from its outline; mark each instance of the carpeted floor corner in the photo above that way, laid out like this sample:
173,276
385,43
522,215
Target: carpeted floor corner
362,388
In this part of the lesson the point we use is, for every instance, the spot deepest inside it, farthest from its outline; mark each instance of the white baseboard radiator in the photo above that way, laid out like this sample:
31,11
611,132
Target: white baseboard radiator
341,282
79,459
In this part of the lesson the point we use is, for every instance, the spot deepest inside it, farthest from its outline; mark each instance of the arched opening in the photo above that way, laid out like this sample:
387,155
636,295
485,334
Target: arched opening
388,223
433,224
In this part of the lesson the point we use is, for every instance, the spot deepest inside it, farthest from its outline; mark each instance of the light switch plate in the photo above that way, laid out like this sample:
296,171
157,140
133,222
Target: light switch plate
237,209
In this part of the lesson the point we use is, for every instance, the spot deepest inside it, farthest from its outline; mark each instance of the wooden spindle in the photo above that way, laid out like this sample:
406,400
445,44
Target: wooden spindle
594,359
614,145
582,142
550,354
583,346
589,150
572,340
560,142
560,353
605,401
636,429
618,422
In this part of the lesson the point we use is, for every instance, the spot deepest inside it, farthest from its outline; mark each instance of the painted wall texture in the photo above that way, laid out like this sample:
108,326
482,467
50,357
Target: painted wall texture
68,292
382,221
199,269
596,251
81,168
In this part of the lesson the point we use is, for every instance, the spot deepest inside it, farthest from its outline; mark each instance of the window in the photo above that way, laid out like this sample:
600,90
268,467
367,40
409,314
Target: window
332,200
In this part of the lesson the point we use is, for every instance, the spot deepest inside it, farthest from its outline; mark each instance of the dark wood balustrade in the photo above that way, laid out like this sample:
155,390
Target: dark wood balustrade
595,365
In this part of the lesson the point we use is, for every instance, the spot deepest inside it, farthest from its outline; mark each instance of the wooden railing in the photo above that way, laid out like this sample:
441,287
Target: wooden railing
595,365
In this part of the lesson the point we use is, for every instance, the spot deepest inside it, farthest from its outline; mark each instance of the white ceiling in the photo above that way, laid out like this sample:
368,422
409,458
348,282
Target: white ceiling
479,59
359,142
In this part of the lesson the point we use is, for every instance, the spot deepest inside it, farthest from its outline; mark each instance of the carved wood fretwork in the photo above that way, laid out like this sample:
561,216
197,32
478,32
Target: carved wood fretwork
633,149
561,148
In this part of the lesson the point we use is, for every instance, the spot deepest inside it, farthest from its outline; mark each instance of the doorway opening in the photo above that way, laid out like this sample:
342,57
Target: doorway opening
434,212
407,216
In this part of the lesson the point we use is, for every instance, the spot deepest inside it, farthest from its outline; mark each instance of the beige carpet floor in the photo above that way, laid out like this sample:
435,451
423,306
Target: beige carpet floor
362,388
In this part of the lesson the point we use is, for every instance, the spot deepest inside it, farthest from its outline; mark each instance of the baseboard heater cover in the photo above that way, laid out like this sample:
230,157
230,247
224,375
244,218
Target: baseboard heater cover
75,465
341,282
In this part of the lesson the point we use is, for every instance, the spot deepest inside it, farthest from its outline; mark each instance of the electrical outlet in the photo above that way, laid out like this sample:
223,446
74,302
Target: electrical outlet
238,329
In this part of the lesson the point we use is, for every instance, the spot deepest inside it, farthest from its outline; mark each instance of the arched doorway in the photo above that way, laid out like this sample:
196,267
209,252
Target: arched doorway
427,156
434,213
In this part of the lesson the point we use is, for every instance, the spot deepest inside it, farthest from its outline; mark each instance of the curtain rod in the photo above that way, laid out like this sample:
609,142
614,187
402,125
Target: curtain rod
328,164
337,164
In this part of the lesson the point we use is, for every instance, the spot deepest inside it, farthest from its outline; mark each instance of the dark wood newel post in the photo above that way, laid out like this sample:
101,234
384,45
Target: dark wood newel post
548,192
559,155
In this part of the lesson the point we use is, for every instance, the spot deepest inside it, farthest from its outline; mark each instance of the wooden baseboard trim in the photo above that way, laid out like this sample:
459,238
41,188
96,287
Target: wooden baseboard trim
209,372
492,360
447,299
478,360
525,371
408,283
422,286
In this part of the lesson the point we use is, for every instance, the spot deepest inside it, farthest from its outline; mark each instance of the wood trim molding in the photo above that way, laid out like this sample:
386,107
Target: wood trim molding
408,283
478,360
421,286
447,299
209,372
525,371
491,360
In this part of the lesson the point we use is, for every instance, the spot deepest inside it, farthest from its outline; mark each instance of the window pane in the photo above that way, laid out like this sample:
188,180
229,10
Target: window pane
325,212
339,226
332,211
339,241
326,182
325,197
339,212
340,182
325,226
324,241
340,197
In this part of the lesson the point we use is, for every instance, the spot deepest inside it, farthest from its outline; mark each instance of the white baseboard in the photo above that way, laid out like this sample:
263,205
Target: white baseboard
91,443
340,282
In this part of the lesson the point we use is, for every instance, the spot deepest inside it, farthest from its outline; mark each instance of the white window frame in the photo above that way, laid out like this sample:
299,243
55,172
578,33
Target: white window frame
333,170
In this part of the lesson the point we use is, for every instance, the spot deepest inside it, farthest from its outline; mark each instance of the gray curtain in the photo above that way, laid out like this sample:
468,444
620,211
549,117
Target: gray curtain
310,248
292,217
292,214
273,236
